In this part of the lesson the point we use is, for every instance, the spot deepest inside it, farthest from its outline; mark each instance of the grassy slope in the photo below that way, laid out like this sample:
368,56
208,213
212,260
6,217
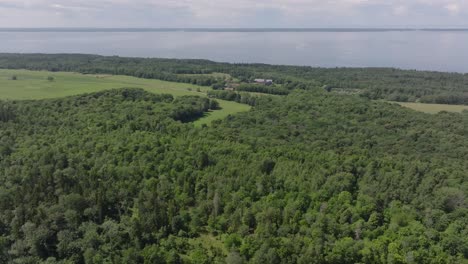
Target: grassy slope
435,108
34,85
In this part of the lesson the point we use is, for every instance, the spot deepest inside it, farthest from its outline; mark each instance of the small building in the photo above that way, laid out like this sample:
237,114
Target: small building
264,81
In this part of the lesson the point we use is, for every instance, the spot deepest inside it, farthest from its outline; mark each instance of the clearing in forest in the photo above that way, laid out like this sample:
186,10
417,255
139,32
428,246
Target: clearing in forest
24,84
435,108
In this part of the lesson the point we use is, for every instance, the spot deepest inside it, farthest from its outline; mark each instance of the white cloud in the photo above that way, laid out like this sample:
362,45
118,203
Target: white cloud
400,10
453,8
242,13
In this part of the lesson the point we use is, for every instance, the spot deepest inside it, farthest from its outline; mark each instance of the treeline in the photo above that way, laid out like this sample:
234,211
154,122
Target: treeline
456,98
373,83
190,108
311,177
161,69
259,88
243,98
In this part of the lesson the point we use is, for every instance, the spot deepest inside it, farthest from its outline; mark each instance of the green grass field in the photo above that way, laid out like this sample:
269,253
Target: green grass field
435,108
34,85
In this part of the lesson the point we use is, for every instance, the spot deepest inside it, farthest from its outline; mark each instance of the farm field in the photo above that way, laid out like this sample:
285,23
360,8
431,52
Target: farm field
35,85
435,108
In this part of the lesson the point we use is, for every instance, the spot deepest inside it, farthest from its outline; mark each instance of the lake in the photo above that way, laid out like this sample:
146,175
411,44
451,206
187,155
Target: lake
438,50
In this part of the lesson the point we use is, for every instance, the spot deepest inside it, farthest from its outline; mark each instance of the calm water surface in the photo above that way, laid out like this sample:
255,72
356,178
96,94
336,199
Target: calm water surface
422,50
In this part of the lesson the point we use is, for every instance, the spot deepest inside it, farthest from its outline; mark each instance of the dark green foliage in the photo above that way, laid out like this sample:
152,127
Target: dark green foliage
260,88
312,177
7,111
190,108
243,98
455,98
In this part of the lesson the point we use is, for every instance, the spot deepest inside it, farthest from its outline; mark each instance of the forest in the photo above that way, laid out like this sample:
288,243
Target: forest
123,176
372,83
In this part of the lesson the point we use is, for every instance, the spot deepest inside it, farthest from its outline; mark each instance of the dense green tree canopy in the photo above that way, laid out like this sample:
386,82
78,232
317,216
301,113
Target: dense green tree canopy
122,176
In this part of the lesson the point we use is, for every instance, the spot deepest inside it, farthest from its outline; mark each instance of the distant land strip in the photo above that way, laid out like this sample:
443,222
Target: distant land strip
60,29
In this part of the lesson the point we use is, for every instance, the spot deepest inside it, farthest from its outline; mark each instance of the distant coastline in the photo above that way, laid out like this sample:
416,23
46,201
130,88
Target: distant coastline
58,29
428,49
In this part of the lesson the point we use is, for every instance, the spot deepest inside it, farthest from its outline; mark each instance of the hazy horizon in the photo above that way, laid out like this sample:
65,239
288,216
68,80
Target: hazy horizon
236,29
237,14
433,50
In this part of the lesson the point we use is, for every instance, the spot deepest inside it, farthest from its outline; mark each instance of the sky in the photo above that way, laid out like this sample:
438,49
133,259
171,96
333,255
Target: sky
233,13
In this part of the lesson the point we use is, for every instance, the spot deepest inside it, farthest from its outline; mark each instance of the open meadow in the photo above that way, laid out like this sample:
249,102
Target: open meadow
435,108
24,84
